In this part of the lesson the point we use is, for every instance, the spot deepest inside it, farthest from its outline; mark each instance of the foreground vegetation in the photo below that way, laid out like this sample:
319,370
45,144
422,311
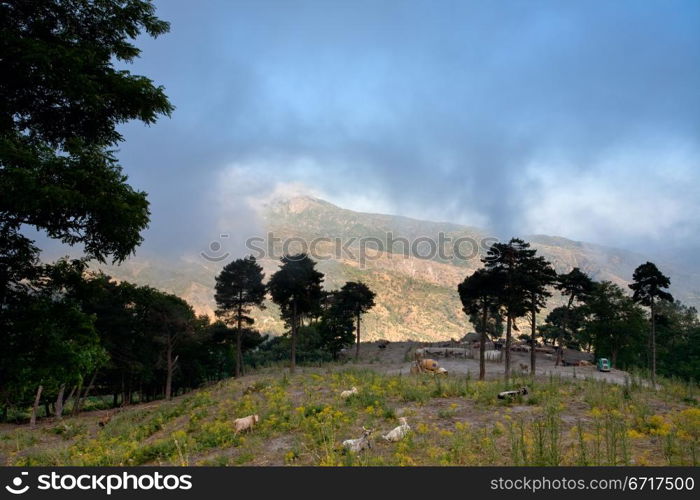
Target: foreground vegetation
455,421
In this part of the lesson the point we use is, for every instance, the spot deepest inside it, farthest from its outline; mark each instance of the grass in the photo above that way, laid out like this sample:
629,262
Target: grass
454,421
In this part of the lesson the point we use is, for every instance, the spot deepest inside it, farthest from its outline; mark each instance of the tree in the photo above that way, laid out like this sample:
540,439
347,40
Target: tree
61,100
50,341
336,327
508,259
357,298
495,328
576,285
122,321
553,328
296,289
479,294
678,340
613,321
222,360
648,288
239,287
538,276
170,319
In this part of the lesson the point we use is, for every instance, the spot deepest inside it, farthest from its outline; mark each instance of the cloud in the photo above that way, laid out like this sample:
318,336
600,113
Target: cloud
646,198
578,119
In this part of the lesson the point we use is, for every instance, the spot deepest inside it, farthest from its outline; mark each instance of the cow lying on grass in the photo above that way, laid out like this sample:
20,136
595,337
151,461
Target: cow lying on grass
428,366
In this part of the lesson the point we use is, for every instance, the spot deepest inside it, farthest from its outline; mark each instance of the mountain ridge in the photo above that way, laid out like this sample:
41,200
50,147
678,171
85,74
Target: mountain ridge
416,296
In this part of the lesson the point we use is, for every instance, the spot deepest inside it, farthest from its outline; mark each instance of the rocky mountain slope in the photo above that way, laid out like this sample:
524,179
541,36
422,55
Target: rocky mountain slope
415,280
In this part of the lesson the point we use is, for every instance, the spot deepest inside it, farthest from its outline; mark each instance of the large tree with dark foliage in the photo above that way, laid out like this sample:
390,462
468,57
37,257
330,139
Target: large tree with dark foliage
576,285
357,299
296,289
614,323
52,342
649,287
538,275
171,320
509,260
239,287
678,340
336,325
221,363
479,294
61,100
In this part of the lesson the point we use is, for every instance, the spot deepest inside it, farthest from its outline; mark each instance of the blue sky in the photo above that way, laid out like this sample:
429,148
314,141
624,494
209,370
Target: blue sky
578,119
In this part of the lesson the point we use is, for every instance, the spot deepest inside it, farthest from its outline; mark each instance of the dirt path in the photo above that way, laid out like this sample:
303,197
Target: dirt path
397,358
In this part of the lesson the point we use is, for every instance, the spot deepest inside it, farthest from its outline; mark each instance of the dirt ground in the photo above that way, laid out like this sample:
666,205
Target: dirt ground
450,427
397,357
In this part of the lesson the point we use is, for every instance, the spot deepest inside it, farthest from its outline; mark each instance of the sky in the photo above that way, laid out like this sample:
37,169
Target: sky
572,118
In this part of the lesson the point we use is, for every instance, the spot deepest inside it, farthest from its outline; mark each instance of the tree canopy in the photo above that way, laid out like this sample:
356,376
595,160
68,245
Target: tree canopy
296,289
479,294
648,287
239,287
509,260
62,97
356,298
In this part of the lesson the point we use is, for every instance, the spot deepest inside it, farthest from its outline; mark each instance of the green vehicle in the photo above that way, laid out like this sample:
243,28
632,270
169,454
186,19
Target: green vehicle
603,365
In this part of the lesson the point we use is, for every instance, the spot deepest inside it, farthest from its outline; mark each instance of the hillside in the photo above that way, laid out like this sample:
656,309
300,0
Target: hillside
416,297
454,421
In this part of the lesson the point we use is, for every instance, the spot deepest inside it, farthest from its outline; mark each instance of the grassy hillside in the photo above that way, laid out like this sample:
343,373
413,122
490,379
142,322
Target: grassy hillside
303,421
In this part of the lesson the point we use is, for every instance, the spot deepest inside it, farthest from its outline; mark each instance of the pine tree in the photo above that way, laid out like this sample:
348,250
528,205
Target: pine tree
479,294
509,260
239,287
357,298
296,289
648,288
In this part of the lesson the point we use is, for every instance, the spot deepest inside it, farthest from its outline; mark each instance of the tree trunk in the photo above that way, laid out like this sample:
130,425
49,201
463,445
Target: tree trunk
613,360
239,355
78,393
59,401
169,374
81,400
357,349
482,346
124,402
293,361
533,331
560,351
509,326
70,396
653,345
32,419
